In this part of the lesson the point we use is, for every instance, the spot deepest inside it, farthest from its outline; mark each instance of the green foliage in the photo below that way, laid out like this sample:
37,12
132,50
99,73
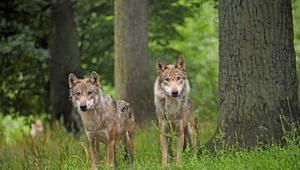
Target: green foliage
165,17
14,129
95,26
24,56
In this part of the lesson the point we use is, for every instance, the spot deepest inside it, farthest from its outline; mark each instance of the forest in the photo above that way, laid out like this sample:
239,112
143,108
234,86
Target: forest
242,63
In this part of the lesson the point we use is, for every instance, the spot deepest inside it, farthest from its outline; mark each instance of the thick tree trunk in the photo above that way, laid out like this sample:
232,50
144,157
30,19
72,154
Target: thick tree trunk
257,71
132,68
64,58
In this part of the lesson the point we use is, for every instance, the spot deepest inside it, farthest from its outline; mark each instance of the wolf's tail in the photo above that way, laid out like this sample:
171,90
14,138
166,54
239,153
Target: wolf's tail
129,148
126,156
199,148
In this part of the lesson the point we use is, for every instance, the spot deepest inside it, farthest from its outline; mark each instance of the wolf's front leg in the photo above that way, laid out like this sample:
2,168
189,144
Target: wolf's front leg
94,149
180,143
164,149
110,146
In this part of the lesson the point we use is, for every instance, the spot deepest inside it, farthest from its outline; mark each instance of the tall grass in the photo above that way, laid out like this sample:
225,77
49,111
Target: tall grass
58,149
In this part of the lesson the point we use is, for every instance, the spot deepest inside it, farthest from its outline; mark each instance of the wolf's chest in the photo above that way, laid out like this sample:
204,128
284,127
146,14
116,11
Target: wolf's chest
90,119
101,135
173,107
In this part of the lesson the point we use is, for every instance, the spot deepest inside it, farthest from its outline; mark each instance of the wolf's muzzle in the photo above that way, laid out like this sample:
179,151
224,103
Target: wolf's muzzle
83,107
174,93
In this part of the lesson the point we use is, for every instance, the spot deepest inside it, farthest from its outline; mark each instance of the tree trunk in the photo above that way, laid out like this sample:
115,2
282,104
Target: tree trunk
64,59
257,72
132,69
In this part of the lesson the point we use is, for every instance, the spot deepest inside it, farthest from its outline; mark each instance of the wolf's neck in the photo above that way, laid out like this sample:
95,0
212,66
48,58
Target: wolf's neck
104,101
172,105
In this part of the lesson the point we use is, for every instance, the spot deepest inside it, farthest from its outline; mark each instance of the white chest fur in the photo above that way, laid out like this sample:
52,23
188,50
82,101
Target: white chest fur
172,105
89,118
101,135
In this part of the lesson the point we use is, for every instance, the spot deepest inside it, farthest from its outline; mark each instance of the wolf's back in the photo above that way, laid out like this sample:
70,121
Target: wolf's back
124,110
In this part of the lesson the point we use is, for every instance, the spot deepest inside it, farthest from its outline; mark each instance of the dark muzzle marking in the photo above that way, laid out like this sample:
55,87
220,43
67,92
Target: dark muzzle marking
174,93
83,107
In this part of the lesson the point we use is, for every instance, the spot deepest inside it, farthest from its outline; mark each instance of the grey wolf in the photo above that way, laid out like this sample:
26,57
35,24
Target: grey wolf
105,120
37,128
174,108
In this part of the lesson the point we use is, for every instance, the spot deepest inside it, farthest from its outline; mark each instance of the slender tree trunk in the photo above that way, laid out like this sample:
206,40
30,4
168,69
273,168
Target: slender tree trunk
132,68
257,71
64,58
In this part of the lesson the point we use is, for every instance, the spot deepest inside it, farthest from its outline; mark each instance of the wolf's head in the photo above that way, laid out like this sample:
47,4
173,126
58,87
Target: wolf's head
84,92
172,78
37,128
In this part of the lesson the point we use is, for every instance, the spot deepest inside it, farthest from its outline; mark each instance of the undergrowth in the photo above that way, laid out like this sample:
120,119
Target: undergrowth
58,149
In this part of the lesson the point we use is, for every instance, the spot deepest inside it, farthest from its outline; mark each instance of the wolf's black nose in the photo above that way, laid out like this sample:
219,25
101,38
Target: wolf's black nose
174,93
83,107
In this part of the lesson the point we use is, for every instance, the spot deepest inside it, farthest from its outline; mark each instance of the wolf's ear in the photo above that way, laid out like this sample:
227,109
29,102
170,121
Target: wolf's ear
180,63
73,80
94,78
160,66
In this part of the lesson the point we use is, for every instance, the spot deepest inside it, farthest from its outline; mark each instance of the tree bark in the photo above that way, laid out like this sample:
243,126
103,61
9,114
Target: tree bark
257,72
64,59
132,69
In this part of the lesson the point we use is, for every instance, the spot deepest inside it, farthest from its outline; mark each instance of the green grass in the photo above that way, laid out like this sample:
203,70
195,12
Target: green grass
61,150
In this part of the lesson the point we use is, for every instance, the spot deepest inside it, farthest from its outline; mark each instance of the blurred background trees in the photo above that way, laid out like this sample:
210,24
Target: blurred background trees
132,68
176,27
64,59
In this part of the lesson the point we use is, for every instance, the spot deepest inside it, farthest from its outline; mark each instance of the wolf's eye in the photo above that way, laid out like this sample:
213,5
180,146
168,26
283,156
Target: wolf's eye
167,79
89,93
77,93
178,78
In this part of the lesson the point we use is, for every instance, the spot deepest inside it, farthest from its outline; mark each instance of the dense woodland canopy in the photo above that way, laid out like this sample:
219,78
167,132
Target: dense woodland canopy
176,27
